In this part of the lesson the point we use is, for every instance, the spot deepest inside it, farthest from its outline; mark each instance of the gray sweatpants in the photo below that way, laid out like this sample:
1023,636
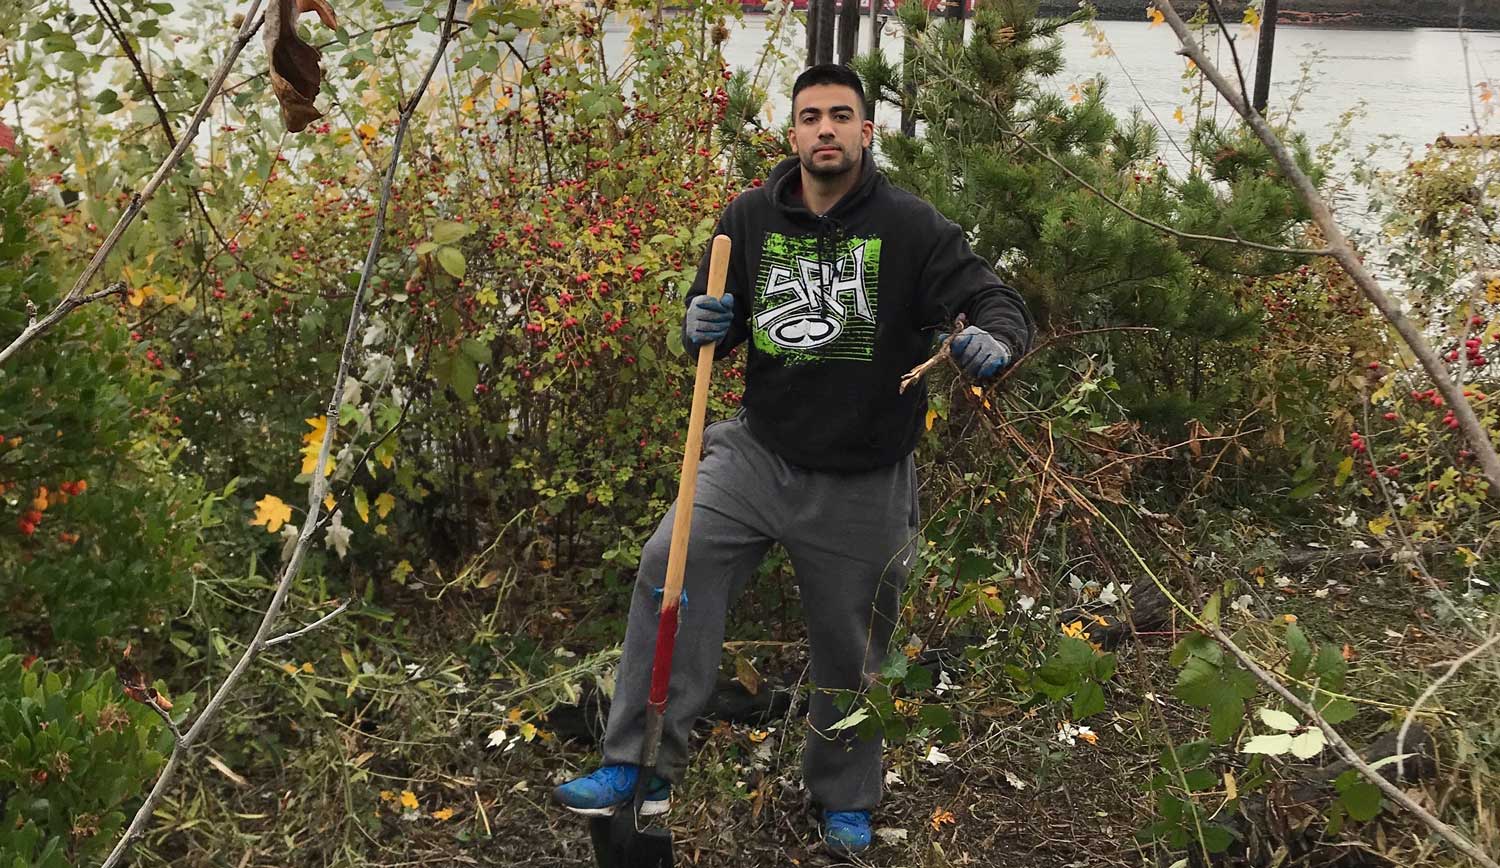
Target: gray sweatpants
851,539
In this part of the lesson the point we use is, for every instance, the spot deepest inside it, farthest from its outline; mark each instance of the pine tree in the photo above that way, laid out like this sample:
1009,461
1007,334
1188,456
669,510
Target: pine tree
1081,261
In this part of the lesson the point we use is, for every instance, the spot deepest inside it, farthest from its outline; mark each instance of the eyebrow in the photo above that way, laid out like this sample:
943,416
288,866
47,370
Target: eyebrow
837,108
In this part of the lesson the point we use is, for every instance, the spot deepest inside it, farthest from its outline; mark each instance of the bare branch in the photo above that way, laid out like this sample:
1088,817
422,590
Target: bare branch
319,487
1427,694
138,201
1344,252
1350,755
287,637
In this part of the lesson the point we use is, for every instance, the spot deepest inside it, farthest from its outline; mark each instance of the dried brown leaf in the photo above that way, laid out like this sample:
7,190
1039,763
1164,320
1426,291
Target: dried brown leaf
295,73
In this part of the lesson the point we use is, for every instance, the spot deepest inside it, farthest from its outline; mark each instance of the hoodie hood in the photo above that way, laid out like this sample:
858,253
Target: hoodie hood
787,176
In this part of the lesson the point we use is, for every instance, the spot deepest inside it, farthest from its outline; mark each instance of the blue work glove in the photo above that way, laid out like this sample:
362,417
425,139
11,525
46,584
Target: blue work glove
708,319
978,354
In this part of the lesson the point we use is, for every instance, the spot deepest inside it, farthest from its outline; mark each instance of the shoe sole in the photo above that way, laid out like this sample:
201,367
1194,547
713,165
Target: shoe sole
649,808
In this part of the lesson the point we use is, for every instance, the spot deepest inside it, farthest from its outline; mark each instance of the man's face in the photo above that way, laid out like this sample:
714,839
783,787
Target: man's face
828,132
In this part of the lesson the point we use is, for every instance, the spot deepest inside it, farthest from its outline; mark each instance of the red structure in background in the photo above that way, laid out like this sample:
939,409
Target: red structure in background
888,6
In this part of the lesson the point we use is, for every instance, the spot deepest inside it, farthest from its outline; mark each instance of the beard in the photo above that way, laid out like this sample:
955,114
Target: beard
822,169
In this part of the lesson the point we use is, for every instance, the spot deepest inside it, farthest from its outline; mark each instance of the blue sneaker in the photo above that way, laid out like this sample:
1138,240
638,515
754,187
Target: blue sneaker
598,794
846,832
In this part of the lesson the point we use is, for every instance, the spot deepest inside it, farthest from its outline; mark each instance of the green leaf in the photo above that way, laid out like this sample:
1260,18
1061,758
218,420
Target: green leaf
463,375
426,247
1358,796
1217,838
1211,609
452,261
918,680
1221,689
1337,711
428,22
936,716
525,19
1088,700
477,350
1306,489
1196,645
963,604
1104,667
1296,642
448,232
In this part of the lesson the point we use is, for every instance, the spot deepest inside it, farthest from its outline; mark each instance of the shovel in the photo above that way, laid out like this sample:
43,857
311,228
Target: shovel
621,841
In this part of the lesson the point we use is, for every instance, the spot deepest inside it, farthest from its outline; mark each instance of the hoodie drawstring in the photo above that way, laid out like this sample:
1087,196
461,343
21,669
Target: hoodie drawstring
827,244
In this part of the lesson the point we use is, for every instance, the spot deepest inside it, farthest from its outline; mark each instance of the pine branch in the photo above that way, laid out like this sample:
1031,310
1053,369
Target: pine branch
319,485
1343,251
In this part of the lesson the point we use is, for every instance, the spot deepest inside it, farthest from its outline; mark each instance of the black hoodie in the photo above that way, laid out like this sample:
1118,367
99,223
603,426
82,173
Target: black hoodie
839,307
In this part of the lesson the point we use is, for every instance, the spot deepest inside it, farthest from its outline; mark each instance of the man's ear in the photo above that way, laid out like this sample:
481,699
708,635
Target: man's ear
791,137
867,131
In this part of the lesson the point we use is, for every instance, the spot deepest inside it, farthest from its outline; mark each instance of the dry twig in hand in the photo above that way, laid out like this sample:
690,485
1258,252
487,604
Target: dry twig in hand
916,373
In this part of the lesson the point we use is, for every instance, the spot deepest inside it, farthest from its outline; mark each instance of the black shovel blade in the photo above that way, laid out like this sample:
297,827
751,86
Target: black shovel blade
617,843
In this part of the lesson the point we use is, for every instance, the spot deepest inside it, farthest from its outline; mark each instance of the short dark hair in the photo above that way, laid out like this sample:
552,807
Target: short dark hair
830,73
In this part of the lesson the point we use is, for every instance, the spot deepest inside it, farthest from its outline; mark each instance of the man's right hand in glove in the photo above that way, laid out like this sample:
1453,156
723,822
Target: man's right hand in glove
708,319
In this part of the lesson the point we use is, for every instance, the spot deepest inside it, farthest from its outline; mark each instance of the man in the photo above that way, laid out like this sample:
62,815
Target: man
839,282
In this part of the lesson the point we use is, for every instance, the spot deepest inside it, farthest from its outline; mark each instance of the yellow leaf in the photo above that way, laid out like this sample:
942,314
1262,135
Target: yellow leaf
387,795
271,512
978,392
1252,17
1289,618
328,502
408,799
307,667
366,131
1379,526
288,669
312,443
384,504
362,504
514,716
941,816
502,103
1155,15
139,295
443,814
931,415
1231,788
759,735
169,299
1177,116
1090,737
528,731
1074,630
467,106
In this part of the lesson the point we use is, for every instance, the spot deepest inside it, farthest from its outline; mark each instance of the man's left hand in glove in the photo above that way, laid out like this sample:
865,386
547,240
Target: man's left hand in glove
978,353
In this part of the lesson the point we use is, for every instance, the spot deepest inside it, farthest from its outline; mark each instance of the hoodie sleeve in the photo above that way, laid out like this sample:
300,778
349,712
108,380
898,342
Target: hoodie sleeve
955,280
735,282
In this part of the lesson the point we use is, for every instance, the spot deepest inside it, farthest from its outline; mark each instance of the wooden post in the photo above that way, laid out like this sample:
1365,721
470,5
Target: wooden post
872,47
1263,58
908,87
848,29
820,26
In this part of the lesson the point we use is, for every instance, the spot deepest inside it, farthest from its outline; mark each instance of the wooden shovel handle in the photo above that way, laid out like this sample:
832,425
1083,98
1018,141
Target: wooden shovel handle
718,269
666,625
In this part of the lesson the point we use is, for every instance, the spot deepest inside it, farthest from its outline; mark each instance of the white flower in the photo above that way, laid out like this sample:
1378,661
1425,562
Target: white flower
1026,603
497,737
1108,596
943,684
1242,604
937,757
892,778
